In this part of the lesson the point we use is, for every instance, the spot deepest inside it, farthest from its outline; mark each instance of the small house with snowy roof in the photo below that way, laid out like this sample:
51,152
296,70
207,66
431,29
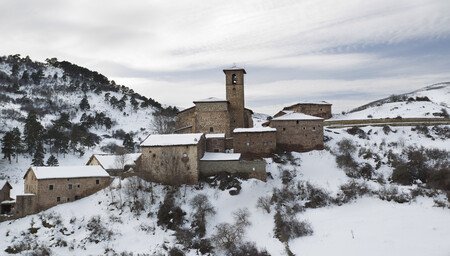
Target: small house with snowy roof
115,164
52,185
171,158
298,132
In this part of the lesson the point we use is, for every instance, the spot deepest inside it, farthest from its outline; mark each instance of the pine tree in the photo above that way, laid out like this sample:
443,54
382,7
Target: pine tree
52,161
84,104
134,103
17,143
33,132
8,145
128,142
38,158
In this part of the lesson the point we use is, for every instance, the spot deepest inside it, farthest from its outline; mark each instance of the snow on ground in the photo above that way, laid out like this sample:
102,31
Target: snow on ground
373,227
439,96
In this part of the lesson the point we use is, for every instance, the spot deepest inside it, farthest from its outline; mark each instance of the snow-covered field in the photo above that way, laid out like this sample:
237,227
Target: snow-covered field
439,96
365,226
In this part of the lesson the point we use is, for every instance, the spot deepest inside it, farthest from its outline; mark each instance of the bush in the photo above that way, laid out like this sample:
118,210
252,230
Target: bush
391,193
98,231
264,203
176,252
315,197
247,249
352,190
202,208
287,228
357,131
170,216
203,245
366,171
346,147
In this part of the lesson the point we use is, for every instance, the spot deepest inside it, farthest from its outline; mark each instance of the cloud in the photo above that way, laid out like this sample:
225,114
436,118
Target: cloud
293,49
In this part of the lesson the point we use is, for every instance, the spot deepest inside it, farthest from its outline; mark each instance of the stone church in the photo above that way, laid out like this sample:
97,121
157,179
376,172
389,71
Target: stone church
214,115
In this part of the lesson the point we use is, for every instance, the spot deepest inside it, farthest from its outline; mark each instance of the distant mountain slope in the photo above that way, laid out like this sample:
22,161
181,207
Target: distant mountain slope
51,89
431,101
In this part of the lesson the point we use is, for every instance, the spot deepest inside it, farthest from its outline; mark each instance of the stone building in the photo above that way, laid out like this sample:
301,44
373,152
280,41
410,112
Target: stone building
256,141
214,163
6,202
215,142
171,158
49,186
298,132
115,164
320,109
214,115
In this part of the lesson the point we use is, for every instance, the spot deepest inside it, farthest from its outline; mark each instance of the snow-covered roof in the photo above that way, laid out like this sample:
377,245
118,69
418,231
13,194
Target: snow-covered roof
209,156
234,68
3,183
215,135
171,139
255,129
58,172
311,103
211,99
110,161
297,116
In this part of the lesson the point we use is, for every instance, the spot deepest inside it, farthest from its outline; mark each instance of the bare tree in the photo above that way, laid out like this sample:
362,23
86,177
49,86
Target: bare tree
162,123
121,158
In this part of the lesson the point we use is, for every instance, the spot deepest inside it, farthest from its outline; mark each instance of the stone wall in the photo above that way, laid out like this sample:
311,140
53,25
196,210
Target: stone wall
5,193
212,117
255,143
171,165
248,118
298,135
63,189
215,144
251,169
185,121
25,205
319,110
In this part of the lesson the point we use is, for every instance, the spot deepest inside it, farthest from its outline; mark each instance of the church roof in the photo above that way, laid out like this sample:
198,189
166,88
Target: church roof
155,140
211,99
234,68
296,116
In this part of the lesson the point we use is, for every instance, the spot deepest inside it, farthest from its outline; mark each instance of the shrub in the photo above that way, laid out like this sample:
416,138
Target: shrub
366,171
247,249
315,197
346,147
203,245
352,190
202,208
264,203
176,252
98,231
391,193
287,228
170,216
357,131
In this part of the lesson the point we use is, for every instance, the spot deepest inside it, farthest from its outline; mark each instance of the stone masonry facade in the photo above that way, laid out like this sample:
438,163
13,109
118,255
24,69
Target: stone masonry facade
298,135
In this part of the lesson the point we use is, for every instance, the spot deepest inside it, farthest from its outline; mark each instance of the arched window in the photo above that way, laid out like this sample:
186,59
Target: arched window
234,79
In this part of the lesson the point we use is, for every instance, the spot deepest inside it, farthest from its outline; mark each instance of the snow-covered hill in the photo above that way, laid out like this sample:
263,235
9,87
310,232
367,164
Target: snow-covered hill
430,102
382,217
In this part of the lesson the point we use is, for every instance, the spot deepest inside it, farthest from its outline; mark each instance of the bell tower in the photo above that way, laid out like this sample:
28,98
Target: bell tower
234,83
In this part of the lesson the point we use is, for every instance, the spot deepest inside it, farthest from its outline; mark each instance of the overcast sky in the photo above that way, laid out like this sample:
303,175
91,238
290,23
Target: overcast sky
346,52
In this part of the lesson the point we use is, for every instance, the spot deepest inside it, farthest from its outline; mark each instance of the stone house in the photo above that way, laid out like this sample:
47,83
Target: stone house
214,115
320,109
256,141
6,202
115,164
46,187
171,158
298,132
215,142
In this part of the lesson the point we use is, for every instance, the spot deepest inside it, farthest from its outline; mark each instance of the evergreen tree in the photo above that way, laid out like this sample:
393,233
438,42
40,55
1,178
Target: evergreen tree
15,70
38,158
37,76
128,142
25,77
17,143
33,132
84,104
134,103
52,161
8,145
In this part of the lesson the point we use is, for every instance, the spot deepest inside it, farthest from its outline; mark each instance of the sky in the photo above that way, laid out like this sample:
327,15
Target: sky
346,52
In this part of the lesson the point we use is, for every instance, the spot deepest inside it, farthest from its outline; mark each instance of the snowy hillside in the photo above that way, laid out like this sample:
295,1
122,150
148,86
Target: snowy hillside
325,208
431,102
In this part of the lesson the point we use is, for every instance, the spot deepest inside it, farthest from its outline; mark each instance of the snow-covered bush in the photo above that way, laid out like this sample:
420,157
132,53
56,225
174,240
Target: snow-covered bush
247,248
229,236
392,193
288,227
98,231
202,208
169,215
351,190
264,203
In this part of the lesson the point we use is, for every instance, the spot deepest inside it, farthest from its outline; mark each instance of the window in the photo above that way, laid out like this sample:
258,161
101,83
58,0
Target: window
211,129
297,122
50,187
77,197
97,182
284,129
70,186
314,128
68,199
154,155
58,199
304,128
78,185
234,79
